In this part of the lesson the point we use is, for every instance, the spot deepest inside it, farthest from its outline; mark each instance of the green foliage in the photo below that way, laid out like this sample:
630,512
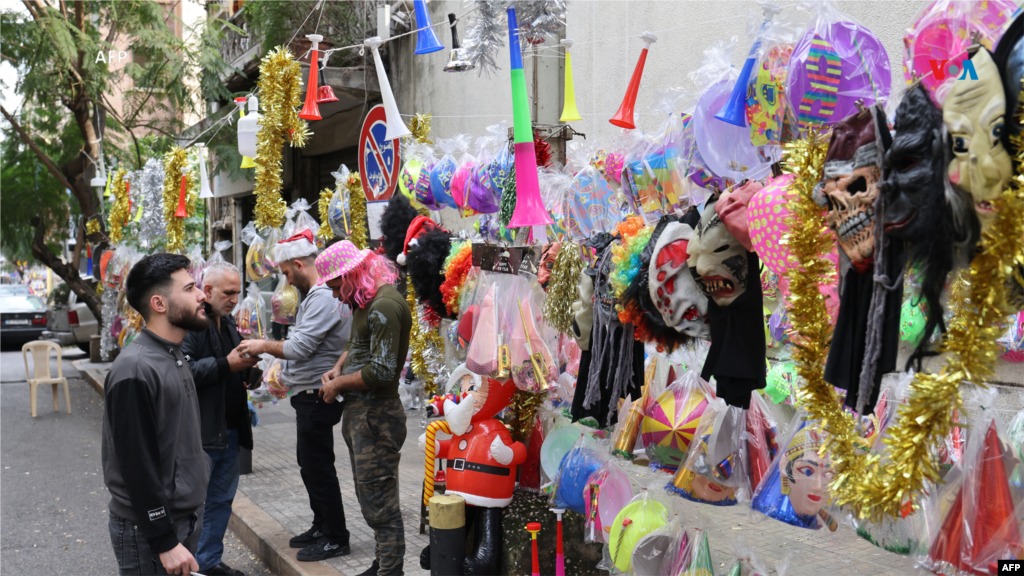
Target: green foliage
341,23
59,296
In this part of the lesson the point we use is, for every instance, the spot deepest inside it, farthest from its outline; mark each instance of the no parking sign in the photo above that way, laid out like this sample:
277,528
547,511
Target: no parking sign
378,157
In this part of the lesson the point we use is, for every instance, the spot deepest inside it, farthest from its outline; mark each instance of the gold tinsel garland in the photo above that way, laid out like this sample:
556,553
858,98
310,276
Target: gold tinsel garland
872,487
119,211
174,169
92,226
420,128
280,92
324,207
524,412
417,344
562,289
357,211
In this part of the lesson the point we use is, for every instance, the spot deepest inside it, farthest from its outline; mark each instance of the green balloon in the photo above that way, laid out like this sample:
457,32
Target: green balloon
781,380
912,323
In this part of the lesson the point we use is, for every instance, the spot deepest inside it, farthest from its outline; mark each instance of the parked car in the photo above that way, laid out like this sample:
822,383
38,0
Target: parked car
71,324
15,290
22,317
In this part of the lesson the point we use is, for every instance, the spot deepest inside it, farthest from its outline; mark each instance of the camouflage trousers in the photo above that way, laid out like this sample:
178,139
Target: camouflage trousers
374,431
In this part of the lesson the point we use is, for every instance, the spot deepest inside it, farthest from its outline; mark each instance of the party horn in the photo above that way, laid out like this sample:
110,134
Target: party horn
426,38
182,211
206,192
569,111
735,109
533,528
396,127
624,117
310,111
559,554
530,209
240,102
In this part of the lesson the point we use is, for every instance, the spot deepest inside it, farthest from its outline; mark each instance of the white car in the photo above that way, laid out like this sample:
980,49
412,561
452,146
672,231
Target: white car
71,324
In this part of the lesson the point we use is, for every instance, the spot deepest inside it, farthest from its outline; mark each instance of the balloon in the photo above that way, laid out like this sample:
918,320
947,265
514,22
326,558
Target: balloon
607,492
670,423
725,148
912,321
556,446
573,474
781,380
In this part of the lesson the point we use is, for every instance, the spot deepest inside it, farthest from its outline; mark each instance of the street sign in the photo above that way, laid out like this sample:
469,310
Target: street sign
379,158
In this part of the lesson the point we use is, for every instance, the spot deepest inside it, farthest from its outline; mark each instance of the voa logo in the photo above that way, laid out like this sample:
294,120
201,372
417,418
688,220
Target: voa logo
942,69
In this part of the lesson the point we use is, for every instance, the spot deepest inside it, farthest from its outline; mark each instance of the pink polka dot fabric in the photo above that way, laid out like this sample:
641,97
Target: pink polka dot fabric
338,259
766,220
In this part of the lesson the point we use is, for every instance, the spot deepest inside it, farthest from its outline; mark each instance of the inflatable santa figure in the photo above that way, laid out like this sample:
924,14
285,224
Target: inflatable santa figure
482,460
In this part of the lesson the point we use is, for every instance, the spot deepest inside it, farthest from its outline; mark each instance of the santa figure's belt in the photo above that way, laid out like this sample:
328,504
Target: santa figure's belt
460,464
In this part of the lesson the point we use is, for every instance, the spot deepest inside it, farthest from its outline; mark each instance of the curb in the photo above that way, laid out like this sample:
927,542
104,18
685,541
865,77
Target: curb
269,541
93,376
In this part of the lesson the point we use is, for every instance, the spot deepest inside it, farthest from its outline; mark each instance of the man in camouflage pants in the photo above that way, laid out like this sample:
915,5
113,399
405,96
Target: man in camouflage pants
367,374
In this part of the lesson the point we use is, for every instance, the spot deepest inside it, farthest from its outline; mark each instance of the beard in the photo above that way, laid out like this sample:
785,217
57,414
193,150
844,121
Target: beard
187,319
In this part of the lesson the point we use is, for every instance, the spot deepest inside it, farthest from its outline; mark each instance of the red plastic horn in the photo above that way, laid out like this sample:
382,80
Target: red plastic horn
325,94
624,117
310,111
182,211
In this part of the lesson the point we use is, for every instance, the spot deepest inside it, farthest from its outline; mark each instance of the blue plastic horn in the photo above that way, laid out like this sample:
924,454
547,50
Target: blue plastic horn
426,39
735,109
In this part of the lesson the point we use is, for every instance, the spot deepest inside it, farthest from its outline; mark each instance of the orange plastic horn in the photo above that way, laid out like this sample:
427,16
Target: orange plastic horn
624,117
182,211
310,111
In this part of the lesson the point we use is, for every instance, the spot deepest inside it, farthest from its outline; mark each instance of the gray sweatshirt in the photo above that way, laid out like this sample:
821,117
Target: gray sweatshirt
316,340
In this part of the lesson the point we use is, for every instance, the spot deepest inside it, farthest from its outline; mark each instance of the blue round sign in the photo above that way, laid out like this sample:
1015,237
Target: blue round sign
378,157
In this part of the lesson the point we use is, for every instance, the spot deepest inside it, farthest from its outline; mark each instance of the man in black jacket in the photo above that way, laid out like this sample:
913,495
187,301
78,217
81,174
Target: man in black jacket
153,463
218,370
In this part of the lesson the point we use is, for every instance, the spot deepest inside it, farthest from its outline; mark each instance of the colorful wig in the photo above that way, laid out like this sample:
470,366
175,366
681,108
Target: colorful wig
456,268
361,281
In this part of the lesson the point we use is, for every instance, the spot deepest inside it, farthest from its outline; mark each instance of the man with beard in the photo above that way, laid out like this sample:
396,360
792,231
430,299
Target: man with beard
152,451
367,374
218,370
315,342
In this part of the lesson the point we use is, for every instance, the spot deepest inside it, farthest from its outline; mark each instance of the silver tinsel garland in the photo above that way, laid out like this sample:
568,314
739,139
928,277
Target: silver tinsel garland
485,35
109,310
150,187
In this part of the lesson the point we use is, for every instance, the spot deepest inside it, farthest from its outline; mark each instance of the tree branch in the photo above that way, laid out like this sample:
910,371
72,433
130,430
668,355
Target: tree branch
54,170
81,288
31,10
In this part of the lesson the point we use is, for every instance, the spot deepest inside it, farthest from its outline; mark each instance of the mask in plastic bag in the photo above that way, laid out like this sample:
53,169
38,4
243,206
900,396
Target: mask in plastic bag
269,258
255,267
443,172
707,476
284,303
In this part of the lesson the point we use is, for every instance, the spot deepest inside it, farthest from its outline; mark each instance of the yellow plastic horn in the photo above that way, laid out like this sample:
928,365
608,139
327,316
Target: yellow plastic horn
240,102
569,111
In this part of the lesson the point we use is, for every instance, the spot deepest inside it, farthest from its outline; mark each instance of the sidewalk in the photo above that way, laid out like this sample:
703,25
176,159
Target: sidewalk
272,506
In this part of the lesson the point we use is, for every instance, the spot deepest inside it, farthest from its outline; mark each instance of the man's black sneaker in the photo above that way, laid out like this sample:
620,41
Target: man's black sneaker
222,569
306,538
322,549
371,571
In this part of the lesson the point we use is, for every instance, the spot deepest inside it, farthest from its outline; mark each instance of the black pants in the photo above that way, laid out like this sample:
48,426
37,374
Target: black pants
314,449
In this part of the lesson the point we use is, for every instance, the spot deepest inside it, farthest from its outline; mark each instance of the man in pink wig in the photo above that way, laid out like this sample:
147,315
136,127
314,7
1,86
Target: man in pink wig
367,375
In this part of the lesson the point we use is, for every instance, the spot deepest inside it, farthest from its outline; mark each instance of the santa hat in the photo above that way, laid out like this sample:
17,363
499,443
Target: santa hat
298,246
420,226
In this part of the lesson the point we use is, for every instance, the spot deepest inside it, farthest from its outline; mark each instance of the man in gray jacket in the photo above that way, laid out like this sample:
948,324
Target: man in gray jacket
314,344
152,452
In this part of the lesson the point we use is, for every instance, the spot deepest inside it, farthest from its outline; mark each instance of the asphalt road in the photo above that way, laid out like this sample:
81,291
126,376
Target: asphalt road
53,506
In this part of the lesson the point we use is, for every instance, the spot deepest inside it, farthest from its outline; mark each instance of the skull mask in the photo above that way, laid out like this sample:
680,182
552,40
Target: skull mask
675,294
850,187
717,260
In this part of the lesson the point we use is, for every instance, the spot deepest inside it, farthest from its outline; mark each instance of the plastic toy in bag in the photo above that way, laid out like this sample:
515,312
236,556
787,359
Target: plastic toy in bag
1013,340
585,458
533,367
443,172
794,490
269,259
284,303
255,267
606,492
835,63
339,208
262,393
272,378
760,438
643,515
706,476
196,264
302,221
411,173
671,420
766,105
249,314
655,553
590,205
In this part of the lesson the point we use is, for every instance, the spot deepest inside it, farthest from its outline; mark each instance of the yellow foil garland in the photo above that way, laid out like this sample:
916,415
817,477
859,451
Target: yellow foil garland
357,212
562,288
119,211
280,92
420,128
417,343
174,168
323,206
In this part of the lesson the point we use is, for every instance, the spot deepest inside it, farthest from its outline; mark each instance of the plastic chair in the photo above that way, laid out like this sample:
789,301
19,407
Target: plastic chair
41,364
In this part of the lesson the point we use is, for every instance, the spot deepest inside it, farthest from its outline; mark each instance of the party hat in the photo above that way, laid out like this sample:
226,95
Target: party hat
700,562
761,445
482,357
989,519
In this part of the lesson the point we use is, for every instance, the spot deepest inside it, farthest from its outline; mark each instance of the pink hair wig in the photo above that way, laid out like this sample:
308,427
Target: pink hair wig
361,281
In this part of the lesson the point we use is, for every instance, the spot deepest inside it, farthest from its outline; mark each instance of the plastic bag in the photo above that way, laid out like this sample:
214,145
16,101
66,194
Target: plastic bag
411,172
644,514
766,106
715,468
262,393
444,170
303,221
255,266
762,446
573,476
284,303
218,249
858,69
696,560
460,183
606,492
590,203
196,264
662,162
339,208
483,192
272,378
794,490
671,419
269,259
422,191
553,183
533,367
1013,340
655,553
250,316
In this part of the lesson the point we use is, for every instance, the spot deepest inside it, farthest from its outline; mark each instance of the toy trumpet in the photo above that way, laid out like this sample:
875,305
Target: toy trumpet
735,109
624,117
426,38
536,358
310,111
569,111
396,127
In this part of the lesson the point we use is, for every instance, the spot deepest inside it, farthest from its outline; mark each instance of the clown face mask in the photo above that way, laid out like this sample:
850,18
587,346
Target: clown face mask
717,261
849,188
974,113
674,292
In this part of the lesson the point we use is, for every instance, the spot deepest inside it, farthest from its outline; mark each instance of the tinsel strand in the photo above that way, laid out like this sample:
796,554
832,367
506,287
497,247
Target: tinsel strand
280,89
323,207
152,225
507,205
357,211
420,128
418,344
562,288
118,215
524,412
108,341
174,168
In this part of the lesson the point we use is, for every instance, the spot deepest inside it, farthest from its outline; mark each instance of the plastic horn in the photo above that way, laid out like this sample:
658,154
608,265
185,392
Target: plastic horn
455,61
533,528
246,160
206,192
248,126
624,117
310,111
537,359
396,127
426,38
530,209
735,109
559,554
324,94
182,211
569,111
